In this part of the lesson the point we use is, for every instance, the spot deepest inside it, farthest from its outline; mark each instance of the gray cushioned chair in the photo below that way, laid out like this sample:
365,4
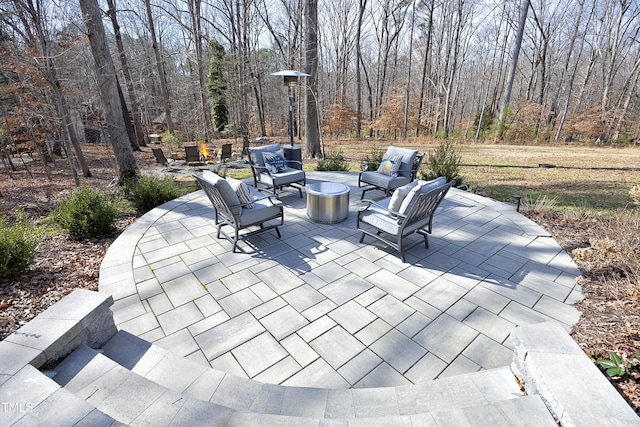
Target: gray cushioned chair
391,225
229,211
374,180
288,177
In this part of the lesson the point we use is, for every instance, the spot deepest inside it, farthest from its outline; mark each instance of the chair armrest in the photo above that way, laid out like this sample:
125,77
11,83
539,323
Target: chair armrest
260,169
277,201
383,208
293,161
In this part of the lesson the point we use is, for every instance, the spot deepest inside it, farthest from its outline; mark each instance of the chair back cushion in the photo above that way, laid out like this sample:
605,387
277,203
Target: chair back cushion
400,194
390,164
226,192
408,156
242,191
274,161
256,153
423,187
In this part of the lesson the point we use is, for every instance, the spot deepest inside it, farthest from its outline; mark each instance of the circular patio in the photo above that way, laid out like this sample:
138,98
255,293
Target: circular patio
317,308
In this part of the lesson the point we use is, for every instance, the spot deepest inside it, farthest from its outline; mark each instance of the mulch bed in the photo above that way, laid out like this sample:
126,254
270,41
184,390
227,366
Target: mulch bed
609,314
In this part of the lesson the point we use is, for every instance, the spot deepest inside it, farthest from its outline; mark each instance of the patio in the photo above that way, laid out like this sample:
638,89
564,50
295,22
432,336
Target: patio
318,309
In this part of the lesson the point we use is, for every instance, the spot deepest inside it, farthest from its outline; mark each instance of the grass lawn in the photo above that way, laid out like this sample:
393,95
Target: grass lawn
583,177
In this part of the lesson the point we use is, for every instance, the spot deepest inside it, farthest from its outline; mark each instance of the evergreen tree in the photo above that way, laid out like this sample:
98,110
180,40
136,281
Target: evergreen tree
217,86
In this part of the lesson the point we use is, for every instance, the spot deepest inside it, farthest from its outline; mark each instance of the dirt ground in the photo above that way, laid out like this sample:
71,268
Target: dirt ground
609,320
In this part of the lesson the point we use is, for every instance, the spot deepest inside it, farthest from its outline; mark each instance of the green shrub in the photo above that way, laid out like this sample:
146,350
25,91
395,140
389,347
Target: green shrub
444,161
173,139
17,247
149,191
333,162
85,213
373,159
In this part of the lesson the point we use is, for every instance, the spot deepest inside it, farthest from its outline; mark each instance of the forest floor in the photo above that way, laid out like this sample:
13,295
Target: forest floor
609,319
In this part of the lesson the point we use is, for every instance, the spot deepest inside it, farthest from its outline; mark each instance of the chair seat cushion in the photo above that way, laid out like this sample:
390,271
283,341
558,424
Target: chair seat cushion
383,181
380,220
263,210
288,176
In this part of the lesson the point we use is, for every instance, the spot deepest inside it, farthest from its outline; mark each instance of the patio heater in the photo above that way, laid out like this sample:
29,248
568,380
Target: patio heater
292,152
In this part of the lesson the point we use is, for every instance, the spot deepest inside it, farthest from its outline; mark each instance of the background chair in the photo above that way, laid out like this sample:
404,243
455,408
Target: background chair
192,154
406,173
226,152
271,178
415,215
229,211
159,155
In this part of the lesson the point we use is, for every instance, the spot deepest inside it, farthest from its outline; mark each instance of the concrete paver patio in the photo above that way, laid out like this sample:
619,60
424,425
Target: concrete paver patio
317,308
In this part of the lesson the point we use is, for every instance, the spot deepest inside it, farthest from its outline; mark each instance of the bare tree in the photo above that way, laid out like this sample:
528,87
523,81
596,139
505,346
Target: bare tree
312,128
361,10
164,87
514,65
196,28
31,13
108,85
124,63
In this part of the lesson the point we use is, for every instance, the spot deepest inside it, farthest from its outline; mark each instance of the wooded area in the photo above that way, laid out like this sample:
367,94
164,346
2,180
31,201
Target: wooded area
521,70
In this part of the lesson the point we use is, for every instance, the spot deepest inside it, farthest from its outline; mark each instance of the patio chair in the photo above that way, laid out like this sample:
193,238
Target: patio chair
270,169
159,155
399,166
192,154
255,210
226,152
410,210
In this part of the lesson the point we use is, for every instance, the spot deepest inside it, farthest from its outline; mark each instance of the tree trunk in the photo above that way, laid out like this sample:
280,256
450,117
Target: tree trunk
32,12
194,12
135,107
242,60
70,130
312,128
407,95
108,85
425,65
363,5
164,88
514,65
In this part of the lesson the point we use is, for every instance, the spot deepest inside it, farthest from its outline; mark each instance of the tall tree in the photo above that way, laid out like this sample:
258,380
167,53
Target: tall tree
164,87
312,128
361,9
514,65
196,28
32,15
217,86
109,91
124,63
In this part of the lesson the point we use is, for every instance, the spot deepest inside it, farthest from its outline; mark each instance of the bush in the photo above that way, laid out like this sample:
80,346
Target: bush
85,213
17,247
173,139
333,162
444,161
148,191
373,159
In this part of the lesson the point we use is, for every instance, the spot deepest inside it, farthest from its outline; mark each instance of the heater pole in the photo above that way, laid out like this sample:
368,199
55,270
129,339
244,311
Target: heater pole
291,115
